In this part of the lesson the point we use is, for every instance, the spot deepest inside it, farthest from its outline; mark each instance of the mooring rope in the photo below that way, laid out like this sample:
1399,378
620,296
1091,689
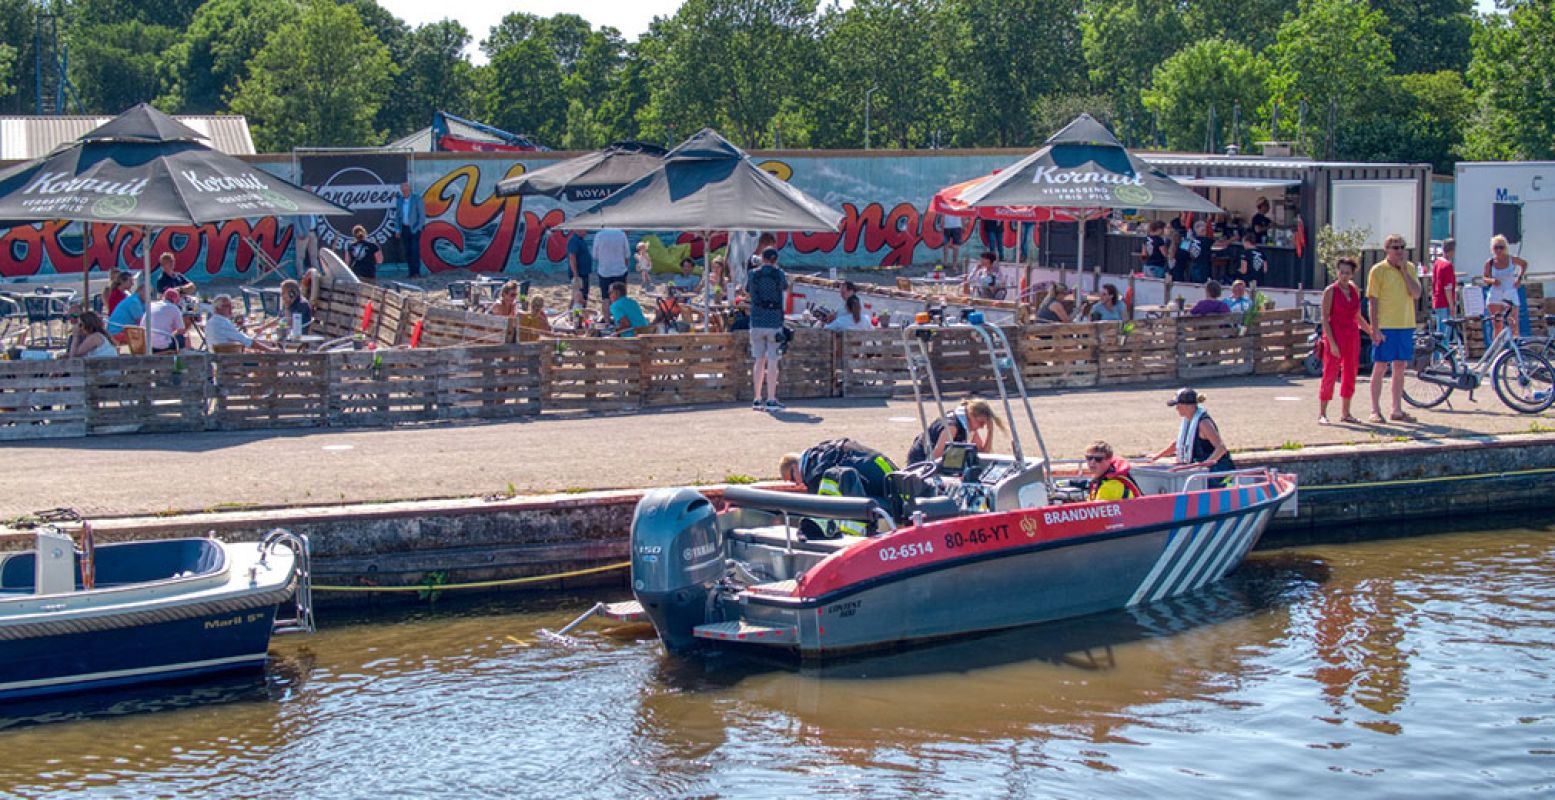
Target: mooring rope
441,587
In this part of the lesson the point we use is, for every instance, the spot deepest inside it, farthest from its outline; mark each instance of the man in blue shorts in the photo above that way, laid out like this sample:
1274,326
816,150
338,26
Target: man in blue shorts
1392,290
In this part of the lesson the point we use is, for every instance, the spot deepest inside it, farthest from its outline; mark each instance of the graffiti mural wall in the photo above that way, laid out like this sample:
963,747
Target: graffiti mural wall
884,200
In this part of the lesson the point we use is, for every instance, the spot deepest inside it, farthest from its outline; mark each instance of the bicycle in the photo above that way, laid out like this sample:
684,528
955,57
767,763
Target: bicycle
1521,376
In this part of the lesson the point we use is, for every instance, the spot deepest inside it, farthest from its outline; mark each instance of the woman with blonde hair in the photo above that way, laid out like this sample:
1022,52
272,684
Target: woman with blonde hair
507,301
534,322
1051,308
973,421
1504,273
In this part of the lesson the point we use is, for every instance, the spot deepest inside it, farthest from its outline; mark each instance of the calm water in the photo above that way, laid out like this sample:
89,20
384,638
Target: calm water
1418,667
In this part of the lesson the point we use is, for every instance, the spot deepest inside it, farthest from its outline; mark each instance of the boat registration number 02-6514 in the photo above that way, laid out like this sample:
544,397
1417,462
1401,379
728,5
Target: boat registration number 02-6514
992,533
908,550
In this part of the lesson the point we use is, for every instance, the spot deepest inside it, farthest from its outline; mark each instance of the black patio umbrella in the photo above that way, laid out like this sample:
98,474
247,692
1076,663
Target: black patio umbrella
1080,171
146,169
707,184
589,177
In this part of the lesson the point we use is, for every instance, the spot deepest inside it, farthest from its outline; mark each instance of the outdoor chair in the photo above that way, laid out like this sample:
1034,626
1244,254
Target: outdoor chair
44,309
459,292
252,299
135,339
904,284
270,302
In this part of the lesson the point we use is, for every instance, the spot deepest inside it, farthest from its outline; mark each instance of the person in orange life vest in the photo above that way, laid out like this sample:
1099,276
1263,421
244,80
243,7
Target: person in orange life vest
1109,474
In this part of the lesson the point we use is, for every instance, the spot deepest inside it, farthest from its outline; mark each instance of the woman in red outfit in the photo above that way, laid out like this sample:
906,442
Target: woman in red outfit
1342,326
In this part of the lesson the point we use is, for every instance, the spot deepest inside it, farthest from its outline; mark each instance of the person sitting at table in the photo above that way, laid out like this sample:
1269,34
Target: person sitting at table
626,314
507,304
90,338
983,280
1051,307
1239,302
534,322
687,280
222,331
120,284
1110,307
294,306
1253,266
168,279
130,312
166,324
1211,304
852,317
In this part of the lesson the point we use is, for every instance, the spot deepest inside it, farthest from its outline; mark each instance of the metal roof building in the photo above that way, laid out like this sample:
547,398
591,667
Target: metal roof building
23,138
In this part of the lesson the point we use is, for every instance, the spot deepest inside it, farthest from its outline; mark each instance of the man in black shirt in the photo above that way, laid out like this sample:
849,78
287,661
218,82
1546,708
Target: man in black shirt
1261,222
1253,267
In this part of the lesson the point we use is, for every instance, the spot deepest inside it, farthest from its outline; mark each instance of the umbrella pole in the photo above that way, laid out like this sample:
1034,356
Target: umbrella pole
1079,267
707,281
86,280
145,285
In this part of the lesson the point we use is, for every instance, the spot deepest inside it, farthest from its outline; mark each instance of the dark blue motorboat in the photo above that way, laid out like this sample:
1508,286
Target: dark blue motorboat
140,612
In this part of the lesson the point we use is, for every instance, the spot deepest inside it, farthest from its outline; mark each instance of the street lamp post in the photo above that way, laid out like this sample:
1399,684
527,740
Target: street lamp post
867,97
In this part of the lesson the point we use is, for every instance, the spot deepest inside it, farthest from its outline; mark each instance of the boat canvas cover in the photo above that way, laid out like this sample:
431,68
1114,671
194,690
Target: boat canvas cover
1083,166
146,168
708,184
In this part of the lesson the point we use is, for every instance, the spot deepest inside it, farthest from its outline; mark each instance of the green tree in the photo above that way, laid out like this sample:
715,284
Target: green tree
203,69
731,64
1513,59
114,65
434,76
1251,23
7,70
318,81
889,45
1205,80
521,91
1330,57
1427,117
1429,35
1124,40
18,19
1008,60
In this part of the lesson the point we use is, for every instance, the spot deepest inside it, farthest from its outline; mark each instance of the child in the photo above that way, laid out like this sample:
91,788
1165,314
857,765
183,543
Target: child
644,264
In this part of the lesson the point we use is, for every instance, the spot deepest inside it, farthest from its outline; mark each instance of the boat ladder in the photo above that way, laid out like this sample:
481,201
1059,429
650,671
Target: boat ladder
301,620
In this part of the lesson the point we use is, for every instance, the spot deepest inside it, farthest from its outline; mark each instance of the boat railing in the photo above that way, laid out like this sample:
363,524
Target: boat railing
301,620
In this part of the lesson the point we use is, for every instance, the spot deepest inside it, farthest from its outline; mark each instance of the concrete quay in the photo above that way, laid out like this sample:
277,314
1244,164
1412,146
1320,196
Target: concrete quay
1353,477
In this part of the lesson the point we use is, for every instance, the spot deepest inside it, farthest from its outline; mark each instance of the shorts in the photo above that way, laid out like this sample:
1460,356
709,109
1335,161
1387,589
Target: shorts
1398,345
764,343
1506,297
953,236
604,283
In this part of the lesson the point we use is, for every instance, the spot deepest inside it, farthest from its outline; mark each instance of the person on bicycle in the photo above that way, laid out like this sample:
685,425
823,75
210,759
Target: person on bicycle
1341,342
1392,290
1504,274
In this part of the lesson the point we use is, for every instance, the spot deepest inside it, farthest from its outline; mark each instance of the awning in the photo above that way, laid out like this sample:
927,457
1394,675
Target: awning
1235,183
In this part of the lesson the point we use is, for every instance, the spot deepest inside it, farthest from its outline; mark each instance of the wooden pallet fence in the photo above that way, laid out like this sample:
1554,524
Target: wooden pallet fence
383,387
450,327
1060,356
1281,341
808,369
593,375
391,329
1212,347
873,363
339,312
147,394
43,399
496,382
1136,352
252,391
684,369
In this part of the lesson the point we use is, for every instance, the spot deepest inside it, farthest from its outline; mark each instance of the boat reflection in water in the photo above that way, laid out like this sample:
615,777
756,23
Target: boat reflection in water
281,679
1077,676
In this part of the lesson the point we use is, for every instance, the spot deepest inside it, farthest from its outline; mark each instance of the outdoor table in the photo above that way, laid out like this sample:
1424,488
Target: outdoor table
938,285
297,344
1155,311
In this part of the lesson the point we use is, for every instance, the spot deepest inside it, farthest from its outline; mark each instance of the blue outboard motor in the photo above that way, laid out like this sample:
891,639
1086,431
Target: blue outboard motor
677,558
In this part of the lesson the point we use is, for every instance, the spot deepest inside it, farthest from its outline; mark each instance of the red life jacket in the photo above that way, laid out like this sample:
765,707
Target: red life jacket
1118,471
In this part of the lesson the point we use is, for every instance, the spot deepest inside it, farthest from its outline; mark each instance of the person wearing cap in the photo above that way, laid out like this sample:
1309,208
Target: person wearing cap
166,323
766,286
1198,444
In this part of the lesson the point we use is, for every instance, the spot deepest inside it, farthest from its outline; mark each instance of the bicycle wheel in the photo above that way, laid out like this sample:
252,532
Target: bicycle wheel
1524,380
1441,363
